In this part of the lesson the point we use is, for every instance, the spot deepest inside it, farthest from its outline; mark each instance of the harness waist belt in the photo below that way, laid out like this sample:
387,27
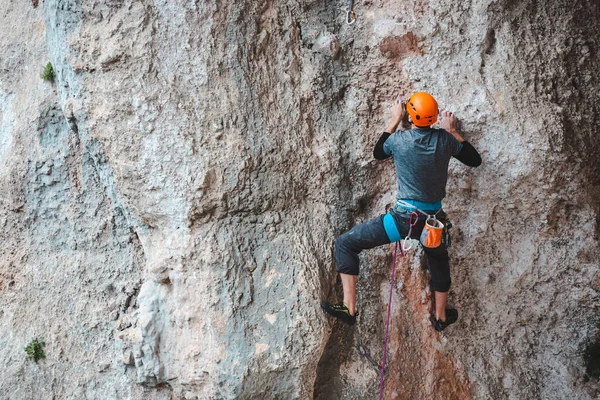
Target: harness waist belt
423,205
390,227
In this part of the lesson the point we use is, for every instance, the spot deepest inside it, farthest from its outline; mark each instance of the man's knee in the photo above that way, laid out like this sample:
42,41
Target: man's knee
341,246
346,258
439,267
347,269
441,283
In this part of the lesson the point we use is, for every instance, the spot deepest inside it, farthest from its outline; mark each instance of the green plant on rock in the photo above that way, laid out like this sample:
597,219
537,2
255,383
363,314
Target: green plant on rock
35,350
48,74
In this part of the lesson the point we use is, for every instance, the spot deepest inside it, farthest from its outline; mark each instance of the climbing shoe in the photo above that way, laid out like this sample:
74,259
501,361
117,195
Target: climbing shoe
451,317
340,311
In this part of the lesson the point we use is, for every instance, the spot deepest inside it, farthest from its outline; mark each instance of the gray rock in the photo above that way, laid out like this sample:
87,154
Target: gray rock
193,162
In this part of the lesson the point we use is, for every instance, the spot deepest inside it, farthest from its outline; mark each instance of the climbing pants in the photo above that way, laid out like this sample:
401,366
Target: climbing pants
372,234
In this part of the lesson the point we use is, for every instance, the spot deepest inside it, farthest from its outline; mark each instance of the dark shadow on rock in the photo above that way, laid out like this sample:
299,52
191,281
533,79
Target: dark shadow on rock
329,384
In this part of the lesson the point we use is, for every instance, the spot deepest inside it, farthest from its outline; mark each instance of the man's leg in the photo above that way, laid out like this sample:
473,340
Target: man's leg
347,248
439,267
349,285
441,299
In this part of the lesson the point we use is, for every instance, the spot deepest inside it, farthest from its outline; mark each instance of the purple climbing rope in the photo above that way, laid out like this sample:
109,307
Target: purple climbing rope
387,324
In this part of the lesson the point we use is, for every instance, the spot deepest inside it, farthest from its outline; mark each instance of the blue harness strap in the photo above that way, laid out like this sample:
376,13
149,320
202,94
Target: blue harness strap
391,229
419,205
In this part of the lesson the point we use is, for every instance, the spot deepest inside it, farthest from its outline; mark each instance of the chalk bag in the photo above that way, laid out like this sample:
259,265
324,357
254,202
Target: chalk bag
432,233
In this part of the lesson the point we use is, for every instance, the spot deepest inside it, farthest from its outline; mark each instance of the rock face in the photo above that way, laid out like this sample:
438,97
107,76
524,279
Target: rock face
169,203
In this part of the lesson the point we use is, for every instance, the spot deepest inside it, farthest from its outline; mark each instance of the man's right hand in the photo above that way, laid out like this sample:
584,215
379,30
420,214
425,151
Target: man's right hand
450,123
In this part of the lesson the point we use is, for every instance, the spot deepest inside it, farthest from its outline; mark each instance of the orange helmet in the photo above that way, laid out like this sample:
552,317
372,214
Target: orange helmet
422,108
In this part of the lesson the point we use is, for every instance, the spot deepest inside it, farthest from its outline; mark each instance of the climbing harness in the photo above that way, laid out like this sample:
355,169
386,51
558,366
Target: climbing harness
387,324
432,233
404,204
350,15
364,352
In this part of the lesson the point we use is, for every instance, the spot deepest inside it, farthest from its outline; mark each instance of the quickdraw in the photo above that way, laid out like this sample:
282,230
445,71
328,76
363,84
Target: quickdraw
350,15
364,352
407,243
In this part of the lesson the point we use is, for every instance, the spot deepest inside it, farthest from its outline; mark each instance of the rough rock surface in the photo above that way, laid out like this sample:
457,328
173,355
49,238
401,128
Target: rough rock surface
168,205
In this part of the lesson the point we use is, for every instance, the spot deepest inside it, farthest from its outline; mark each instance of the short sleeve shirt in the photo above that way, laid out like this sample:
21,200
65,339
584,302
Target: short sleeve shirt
421,157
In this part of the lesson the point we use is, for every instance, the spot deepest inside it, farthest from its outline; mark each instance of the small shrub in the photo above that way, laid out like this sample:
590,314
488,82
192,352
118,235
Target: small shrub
35,350
48,74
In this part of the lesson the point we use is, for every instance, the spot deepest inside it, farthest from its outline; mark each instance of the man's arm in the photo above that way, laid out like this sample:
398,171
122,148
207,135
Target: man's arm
449,124
378,151
398,112
467,154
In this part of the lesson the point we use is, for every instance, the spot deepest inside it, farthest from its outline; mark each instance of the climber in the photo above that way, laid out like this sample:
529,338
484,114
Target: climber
421,156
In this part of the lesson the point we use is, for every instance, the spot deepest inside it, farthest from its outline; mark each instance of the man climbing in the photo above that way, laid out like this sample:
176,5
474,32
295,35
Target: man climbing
421,157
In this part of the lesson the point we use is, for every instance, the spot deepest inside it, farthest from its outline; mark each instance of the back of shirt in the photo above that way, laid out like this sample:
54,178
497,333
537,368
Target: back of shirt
421,157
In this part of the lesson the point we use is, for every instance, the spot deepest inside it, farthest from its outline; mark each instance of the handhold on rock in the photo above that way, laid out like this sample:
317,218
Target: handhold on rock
128,358
327,44
103,367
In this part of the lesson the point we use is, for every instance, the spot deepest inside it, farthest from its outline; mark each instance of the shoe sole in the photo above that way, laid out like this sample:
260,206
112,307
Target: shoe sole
347,319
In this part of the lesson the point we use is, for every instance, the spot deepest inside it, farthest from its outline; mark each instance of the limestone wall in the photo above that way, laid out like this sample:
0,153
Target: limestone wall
169,203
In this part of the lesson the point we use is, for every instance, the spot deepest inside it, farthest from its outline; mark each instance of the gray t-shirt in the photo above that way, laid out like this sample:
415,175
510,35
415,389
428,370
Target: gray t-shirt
421,157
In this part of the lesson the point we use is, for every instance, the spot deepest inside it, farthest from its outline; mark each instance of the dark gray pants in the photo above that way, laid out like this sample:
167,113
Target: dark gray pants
372,234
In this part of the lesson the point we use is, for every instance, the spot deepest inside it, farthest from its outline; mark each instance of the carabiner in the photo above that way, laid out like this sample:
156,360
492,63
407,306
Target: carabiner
406,244
350,16
416,216
364,352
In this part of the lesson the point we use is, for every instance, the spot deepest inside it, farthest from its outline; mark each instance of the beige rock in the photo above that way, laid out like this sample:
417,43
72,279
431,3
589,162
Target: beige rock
193,163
